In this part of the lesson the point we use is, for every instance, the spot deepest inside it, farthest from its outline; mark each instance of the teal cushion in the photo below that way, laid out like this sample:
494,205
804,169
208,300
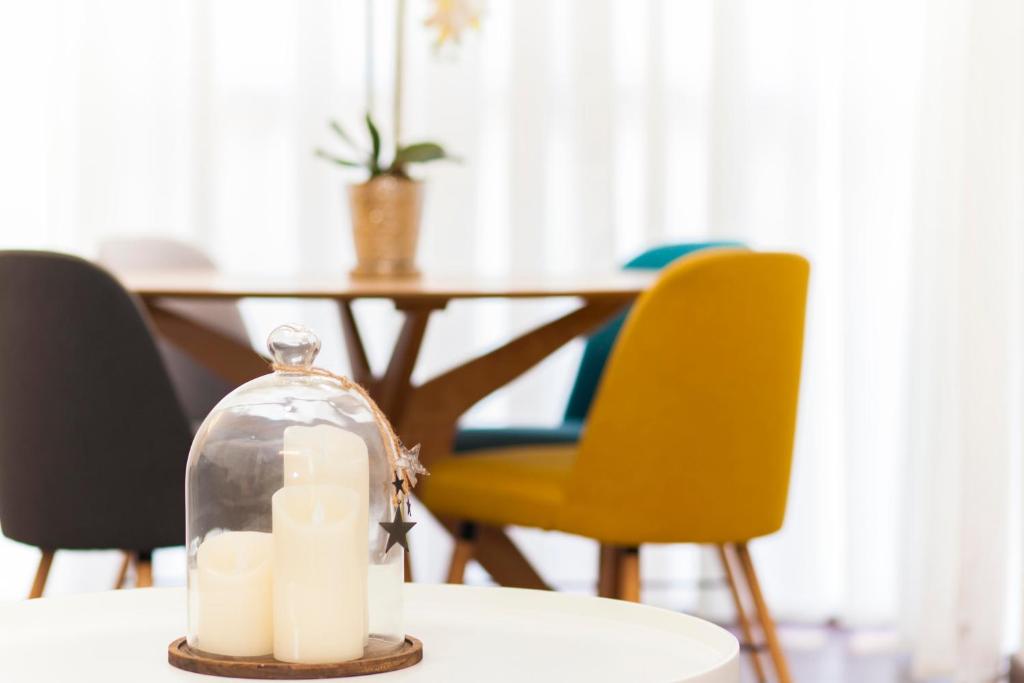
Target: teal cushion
474,439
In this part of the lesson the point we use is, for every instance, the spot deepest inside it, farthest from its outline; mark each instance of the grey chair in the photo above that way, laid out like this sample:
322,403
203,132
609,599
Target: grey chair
93,440
198,388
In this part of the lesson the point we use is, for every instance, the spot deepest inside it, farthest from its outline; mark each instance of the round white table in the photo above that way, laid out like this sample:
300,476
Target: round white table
468,634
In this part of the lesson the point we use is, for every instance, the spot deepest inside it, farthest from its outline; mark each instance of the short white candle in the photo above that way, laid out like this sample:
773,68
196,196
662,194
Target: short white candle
385,598
232,600
320,561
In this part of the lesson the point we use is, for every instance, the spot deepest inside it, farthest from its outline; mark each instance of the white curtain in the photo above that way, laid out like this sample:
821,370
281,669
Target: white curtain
879,138
964,472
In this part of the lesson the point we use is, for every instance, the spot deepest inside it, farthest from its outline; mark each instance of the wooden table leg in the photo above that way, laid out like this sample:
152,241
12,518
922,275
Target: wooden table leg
502,559
358,361
390,391
428,414
394,388
431,412
228,358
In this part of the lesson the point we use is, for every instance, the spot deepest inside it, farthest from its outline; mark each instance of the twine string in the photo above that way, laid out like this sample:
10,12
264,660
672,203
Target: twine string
392,444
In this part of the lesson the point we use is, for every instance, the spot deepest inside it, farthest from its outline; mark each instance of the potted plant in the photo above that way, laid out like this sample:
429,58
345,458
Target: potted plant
387,207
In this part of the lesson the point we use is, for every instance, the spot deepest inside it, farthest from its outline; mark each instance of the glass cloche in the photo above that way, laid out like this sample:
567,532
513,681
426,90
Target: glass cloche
295,501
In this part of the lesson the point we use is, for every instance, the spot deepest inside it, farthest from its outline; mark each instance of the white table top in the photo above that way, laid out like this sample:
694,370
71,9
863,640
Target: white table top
468,634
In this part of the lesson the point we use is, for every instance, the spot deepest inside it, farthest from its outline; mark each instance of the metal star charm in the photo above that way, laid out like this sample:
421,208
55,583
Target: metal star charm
408,463
398,530
399,484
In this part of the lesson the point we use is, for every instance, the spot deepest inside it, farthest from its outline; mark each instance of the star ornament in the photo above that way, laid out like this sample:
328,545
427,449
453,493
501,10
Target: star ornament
398,530
408,464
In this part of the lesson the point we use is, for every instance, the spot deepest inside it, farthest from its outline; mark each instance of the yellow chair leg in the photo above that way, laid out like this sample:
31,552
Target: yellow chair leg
764,616
144,569
629,575
465,547
741,614
42,571
461,556
608,571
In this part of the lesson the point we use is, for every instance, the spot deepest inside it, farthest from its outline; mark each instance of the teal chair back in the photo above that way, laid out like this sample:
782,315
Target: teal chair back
595,355
599,345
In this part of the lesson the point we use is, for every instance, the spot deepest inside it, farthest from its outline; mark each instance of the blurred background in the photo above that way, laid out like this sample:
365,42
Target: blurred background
880,139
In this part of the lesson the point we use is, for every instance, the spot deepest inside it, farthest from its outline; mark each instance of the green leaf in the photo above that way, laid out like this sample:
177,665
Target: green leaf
419,153
375,139
336,127
337,160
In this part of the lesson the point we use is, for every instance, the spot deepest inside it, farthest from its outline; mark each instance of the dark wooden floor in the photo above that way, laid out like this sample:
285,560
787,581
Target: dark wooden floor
816,654
833,655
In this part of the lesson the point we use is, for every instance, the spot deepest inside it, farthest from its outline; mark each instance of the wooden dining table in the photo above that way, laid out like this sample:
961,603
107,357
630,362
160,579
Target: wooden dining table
425,413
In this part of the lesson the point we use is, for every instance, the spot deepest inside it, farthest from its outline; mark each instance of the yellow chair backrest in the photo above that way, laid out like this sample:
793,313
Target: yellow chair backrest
690,437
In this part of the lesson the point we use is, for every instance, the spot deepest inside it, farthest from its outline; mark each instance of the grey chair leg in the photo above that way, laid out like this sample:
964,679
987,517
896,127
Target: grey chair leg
42,572
144,569
122,571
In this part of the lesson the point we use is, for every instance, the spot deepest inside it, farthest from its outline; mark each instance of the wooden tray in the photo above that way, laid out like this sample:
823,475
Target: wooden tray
179,654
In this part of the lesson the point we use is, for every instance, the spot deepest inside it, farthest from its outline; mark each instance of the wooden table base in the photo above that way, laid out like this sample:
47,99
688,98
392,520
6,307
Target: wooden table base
180,655
426,413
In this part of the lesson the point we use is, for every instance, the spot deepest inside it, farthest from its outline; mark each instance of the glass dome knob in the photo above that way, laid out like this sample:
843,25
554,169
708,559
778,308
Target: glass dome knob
293,346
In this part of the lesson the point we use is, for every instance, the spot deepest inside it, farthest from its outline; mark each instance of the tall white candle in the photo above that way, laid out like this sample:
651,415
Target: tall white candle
320,560
325,454
232,594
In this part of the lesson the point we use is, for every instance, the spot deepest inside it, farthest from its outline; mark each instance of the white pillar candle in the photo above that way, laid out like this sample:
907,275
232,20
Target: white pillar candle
232,595
325,454
320,559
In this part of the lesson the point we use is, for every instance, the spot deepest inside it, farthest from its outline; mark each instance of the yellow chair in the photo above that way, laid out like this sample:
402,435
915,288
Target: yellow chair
689,439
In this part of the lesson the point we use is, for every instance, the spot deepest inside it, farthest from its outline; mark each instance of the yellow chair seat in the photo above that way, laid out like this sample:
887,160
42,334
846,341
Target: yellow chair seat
520,486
